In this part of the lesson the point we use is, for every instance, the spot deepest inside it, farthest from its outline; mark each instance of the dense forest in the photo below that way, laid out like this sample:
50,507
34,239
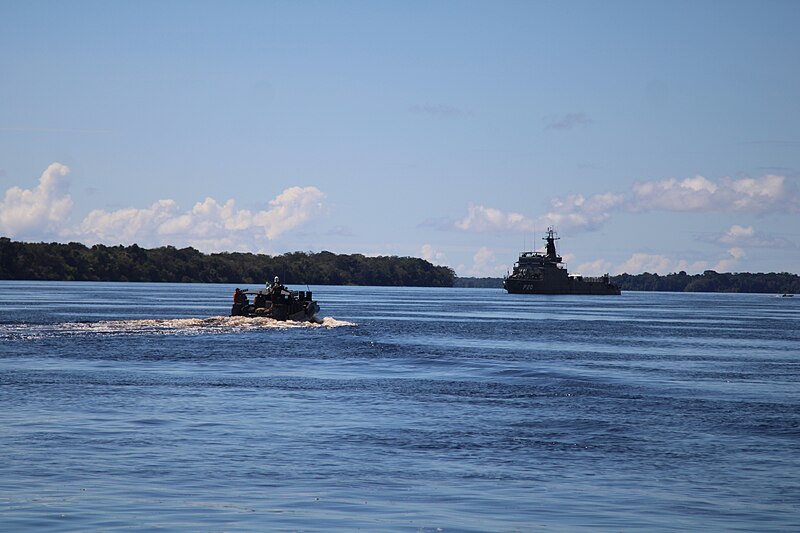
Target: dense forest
478,283
76,262
708,281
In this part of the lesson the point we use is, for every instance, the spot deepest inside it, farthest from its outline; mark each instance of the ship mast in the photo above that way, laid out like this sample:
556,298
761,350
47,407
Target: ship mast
551,245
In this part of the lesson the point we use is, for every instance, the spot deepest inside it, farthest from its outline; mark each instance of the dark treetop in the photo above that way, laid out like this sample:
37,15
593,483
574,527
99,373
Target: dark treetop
76,262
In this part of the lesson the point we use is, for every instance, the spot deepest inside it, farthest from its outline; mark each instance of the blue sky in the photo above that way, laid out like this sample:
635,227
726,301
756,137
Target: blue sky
654,136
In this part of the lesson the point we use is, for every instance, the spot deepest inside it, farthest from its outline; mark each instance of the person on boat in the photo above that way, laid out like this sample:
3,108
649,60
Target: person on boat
276,285
239,297
239,302
260,301
275,290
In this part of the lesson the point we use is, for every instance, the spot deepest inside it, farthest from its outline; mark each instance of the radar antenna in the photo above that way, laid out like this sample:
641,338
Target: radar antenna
551,245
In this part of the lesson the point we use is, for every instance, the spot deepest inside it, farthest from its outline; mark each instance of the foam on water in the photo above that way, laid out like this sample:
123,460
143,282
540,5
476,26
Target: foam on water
175,326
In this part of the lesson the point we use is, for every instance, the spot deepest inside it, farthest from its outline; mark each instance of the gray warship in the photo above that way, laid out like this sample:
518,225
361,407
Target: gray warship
544,273
276,302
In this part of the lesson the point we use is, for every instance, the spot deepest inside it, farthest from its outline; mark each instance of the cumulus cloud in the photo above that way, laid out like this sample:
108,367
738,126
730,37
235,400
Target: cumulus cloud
736,234
747,236
757,195
662,265
642,262
727,263
737,231
128,225
482,219
484,264
39,212
639,262
594,268
430,254
293,207
578,212
572,212
208,225
761,195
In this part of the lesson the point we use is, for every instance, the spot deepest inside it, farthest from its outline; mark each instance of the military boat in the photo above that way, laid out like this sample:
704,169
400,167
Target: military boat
276,302
544,273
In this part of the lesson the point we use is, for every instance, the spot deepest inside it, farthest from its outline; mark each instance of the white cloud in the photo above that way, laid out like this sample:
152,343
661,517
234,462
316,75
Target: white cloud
209,225
594,268
40,212
430,254
693,268
662,265
129,225
293,207
578,212
641,262
740,236
737,234
758,195
481,219
484,264
766,194
572,212
726,264
739,231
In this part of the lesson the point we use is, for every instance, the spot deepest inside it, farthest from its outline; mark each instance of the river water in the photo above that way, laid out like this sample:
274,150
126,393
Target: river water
143,407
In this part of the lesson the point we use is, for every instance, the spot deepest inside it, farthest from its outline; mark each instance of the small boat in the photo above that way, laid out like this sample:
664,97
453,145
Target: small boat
787,295
276,302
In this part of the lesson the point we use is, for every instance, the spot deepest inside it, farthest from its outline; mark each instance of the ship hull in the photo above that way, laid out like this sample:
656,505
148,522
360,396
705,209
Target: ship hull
298,313
567,286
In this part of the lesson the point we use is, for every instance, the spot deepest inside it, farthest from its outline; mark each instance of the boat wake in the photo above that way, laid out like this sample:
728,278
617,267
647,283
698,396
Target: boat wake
176,326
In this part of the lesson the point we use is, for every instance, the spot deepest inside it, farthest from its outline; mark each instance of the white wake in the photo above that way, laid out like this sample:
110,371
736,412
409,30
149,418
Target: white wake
173,326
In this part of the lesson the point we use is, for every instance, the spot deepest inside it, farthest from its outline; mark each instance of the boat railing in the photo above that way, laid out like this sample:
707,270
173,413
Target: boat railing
591,279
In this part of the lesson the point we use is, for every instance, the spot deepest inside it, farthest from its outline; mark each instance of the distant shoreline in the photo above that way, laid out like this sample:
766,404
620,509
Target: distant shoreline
77,262
708,281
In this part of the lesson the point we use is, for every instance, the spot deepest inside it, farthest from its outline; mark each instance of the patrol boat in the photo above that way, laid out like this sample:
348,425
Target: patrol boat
544,273
276,302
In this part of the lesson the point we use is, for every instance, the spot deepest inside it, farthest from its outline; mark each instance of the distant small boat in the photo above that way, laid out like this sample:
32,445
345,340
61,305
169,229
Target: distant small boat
786,295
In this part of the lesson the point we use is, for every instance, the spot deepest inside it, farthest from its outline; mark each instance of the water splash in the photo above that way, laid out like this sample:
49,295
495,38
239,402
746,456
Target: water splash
175,326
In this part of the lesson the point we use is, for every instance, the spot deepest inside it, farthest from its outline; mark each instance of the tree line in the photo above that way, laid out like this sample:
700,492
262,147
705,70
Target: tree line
708,281
711,281
77,262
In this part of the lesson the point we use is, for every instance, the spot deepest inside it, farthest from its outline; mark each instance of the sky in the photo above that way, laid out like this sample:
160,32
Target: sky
653,136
